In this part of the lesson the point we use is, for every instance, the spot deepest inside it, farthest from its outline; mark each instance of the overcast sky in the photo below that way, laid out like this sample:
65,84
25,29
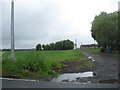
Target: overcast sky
47,21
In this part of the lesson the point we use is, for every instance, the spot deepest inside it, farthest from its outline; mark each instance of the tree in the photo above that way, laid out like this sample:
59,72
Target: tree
118,30
67,45
105,30
47,47
43,47
38,47
52,46
60,45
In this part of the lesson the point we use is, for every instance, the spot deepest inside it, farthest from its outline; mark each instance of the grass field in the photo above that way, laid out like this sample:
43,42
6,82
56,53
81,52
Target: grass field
91,50
37,63
97,50
0,62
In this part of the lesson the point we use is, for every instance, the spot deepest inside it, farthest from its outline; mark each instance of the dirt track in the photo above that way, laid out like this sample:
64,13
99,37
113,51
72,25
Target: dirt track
105,69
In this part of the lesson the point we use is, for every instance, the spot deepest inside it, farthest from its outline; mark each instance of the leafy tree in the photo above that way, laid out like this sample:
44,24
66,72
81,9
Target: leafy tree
52,46
38,47
64,45
43,47
118,30
105,30
67,45
47,47
60,45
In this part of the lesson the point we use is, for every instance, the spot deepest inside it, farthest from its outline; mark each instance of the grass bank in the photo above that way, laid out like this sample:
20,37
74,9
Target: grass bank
97,50
0,62
38,63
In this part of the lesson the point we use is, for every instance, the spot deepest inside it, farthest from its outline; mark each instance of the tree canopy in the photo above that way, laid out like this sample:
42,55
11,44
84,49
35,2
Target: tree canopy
38,47
105,30
60,45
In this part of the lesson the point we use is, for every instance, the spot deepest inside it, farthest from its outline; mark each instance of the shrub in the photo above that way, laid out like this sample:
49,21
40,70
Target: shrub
34,63
102,50
51,72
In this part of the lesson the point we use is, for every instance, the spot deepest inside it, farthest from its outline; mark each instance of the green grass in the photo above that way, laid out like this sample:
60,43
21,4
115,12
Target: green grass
91,50
37,63
0,62
97,50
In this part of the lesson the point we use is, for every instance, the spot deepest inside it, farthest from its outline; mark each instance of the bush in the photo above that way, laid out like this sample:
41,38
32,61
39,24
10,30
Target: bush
102,50
51,72
34,63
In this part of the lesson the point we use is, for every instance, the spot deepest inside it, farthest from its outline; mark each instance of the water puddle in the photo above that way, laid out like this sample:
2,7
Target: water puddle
91,58
71,77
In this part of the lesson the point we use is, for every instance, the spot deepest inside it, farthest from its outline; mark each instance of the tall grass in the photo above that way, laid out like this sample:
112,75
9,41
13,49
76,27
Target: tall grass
37,62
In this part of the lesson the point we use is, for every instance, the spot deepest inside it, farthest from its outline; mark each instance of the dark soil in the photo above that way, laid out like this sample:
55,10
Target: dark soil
73,66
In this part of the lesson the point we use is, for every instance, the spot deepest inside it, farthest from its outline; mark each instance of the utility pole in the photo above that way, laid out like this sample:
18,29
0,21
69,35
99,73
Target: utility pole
94,43
81,46
12,29
75,44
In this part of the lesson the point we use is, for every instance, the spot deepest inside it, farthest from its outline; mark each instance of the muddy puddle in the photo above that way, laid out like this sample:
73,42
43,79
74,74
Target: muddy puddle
72,77
91,58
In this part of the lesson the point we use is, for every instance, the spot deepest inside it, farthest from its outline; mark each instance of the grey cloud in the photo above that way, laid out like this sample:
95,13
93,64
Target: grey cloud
33,26
40,26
